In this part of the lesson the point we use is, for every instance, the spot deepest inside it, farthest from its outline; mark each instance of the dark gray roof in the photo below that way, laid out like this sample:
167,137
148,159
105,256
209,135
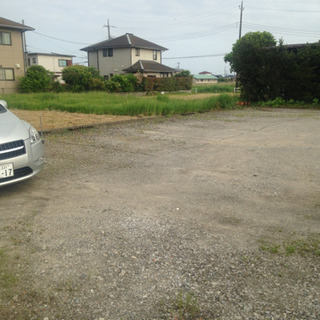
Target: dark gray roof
8,24
148,66
127,40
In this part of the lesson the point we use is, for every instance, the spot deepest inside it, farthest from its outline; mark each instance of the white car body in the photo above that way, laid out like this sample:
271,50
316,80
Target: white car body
21,148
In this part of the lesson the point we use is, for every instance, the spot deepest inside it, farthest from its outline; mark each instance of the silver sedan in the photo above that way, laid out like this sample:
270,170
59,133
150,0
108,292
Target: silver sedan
21,148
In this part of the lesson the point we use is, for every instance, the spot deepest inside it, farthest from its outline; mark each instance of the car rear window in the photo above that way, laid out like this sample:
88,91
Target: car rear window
2,109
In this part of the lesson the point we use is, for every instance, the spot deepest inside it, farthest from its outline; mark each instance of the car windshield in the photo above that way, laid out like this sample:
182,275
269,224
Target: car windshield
2,109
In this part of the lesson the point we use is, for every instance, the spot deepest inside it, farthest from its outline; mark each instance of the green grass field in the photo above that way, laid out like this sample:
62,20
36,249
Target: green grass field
115,104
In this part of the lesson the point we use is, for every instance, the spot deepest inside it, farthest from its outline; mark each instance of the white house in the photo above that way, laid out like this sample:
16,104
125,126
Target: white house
51,61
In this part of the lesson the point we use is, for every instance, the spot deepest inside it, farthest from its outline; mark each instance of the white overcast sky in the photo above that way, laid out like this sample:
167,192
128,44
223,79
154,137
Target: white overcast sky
197,32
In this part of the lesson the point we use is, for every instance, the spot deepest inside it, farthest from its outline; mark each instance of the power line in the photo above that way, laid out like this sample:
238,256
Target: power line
194,57
68,41
198,34
282,30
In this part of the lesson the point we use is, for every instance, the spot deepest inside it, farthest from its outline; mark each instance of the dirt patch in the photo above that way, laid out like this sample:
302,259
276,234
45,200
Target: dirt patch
53,120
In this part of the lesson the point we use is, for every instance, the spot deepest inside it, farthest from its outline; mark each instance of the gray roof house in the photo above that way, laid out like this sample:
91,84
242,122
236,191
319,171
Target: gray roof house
127,54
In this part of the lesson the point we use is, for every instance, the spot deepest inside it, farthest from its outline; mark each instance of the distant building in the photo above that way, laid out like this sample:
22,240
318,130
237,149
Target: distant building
204,79
12,57
127,54
205,72
50,61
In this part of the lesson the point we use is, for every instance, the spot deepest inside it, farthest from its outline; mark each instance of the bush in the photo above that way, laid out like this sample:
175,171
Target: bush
37,79
167,84
122,83
80,78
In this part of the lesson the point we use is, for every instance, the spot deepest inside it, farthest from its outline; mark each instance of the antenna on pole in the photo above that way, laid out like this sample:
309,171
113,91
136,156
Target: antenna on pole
241,10
108,26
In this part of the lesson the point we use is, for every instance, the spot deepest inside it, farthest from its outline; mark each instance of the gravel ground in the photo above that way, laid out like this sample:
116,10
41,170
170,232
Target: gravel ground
210,216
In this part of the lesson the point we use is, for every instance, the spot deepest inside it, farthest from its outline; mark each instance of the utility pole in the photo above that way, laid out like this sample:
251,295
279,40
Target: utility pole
240,31
25,53
241,10
108,26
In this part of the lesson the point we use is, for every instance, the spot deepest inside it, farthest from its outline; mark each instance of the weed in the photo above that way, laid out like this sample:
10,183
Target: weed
309,246
290,249
185,306
7,277
272,248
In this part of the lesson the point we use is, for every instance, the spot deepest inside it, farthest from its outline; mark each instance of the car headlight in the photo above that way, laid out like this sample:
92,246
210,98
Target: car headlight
34,135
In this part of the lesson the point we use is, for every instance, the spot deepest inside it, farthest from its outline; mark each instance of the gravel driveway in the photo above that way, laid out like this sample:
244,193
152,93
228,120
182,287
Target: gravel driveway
209,216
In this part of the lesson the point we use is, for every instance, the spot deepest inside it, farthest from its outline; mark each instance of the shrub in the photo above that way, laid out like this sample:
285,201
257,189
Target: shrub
80,78
122,83
167,84
37,79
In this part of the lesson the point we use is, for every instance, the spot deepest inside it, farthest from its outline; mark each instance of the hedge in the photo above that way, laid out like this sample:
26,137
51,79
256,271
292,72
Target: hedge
167,84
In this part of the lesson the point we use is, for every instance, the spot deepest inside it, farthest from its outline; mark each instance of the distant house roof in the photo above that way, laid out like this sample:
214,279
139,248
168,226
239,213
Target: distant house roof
148,66
127,40
51,54
205,77
8,24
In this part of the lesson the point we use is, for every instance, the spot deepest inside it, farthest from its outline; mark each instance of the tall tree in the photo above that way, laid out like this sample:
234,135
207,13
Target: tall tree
247,60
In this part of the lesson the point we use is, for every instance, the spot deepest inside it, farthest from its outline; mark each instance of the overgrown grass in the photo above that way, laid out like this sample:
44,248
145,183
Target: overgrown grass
215,88
104,103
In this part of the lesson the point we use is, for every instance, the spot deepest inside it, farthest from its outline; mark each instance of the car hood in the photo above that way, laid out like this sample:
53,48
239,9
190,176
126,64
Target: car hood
12,128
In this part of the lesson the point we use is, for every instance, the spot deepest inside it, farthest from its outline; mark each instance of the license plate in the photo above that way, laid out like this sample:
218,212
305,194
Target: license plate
6,170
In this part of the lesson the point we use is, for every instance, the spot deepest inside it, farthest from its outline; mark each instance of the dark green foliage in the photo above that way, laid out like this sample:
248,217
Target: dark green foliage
247,60
37,79
266,72
122,83
82,78
167,84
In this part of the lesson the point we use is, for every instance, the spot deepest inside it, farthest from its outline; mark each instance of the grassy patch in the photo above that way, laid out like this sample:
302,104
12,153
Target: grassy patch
7,277
310,246
114,104
215,88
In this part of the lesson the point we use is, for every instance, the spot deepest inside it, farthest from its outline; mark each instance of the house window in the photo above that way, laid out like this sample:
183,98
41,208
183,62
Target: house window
137,52
5,38
6,74
34,60
62,63
107,52
155,54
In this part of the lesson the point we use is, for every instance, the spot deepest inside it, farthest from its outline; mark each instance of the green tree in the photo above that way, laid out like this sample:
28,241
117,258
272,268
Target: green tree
82,78
247,59
123,83
183,73
37,79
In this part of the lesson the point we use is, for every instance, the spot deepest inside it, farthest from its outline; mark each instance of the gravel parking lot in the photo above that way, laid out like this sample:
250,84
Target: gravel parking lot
207,216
